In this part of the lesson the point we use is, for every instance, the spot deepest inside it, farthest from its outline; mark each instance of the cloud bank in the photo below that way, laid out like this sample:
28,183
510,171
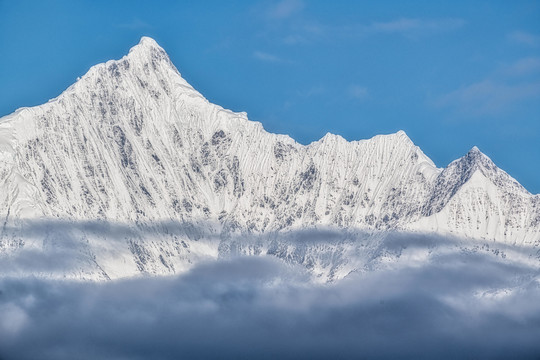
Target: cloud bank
464,306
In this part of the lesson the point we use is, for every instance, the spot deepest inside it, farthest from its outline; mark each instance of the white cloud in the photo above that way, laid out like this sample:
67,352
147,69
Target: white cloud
488,97
135,24
294,39
507,86
411,28
312,91
260,307
406,26
525,66
267,57
523,37
358,92
285,9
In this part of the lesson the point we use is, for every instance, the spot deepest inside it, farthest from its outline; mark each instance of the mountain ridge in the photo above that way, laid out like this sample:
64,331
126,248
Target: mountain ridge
132,142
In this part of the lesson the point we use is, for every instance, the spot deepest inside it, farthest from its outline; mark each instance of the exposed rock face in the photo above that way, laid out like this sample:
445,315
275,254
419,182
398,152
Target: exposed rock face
133,148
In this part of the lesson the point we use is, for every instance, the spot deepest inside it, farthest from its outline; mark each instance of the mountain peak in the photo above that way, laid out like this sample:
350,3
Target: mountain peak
476,158
401,135
146,43
460,171
148,50
329,137
475,152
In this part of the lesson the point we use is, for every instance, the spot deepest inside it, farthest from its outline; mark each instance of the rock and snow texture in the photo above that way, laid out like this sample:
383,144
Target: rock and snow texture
131,146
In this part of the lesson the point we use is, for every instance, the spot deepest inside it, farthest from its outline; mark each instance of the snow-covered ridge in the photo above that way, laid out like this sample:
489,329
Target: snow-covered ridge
132,142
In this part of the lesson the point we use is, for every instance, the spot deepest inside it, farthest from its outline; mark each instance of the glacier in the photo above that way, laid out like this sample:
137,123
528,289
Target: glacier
132,171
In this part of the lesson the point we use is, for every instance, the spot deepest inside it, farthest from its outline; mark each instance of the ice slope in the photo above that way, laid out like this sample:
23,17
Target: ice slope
472,197
132,145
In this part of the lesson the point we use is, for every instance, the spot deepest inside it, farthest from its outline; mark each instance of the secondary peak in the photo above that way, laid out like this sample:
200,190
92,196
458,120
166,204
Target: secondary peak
145,45
148,41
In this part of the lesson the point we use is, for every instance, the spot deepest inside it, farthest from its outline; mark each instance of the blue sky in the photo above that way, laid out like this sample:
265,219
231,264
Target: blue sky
452,74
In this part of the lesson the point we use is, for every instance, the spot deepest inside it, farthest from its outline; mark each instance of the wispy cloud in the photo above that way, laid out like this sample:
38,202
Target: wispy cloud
525,66
409,25
525,38
135,24
488,97
312,91
357,92
285,9
411,28
263,56
294,39
508,85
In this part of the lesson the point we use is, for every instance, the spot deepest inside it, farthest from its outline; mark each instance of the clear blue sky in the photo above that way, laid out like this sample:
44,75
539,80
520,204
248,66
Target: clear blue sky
452,75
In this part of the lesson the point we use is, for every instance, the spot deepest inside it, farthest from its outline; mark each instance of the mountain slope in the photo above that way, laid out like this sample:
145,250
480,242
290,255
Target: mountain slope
132,143
475,198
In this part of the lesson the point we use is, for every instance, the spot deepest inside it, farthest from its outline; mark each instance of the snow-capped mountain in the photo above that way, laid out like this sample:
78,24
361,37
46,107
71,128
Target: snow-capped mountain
132,170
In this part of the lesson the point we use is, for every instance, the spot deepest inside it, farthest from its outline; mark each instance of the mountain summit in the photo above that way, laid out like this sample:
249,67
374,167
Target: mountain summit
132,143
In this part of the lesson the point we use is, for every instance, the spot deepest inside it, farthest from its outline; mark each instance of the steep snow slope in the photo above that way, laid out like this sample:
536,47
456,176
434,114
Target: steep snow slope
132,144
132,141
473,197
